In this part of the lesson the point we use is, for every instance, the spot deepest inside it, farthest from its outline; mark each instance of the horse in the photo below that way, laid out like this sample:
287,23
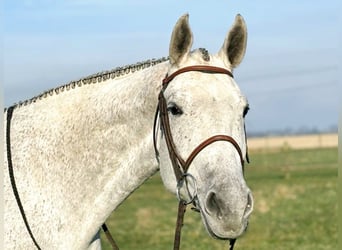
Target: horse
74,153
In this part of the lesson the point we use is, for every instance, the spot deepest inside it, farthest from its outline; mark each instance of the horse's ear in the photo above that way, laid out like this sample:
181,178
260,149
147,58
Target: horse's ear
181,40
234,46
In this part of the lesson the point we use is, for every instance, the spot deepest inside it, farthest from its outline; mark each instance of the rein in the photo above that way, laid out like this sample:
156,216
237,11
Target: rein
11,175
15,189
181,166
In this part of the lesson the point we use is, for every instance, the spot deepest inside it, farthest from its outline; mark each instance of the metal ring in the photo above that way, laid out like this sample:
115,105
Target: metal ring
180,185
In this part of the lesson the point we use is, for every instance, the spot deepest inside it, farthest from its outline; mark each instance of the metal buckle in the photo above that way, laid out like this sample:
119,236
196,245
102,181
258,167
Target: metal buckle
180,185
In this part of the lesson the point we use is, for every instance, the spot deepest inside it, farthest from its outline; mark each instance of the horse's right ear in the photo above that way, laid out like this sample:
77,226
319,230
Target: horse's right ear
181,40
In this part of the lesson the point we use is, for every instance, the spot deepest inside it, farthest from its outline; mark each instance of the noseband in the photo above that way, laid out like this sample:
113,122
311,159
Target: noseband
181,166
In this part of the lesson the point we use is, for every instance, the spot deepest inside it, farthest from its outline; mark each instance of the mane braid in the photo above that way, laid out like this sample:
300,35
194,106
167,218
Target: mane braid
92,79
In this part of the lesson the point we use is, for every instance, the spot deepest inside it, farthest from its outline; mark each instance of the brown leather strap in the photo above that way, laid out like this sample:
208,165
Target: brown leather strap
109,237
231,244
179,224
202,68
12,178
176,159
209,141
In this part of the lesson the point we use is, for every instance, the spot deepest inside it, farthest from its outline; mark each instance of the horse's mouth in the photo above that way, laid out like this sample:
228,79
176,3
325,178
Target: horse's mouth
228,235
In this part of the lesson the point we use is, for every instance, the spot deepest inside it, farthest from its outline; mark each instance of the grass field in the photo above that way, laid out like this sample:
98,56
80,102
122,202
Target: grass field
295,194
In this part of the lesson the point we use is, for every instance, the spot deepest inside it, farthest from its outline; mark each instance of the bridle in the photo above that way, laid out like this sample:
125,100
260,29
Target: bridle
181,166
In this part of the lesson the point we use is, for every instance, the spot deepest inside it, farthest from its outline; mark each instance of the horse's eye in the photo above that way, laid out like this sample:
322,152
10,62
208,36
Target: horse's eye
174,109
245,111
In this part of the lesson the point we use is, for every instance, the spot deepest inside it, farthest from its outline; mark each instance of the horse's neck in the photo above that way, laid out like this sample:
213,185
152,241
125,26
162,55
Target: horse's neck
88,148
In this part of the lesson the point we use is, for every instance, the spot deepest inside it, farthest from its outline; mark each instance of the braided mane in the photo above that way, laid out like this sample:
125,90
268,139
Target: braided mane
93,79
103,76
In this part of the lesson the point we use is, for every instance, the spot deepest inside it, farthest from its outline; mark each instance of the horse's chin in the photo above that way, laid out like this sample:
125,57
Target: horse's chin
226,234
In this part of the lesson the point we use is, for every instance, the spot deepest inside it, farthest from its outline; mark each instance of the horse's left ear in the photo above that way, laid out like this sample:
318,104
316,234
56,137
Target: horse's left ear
234,46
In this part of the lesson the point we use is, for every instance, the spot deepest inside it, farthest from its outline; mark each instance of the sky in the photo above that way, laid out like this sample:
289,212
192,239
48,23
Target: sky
289,73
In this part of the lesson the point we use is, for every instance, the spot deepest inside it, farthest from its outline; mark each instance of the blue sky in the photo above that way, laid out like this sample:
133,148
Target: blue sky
289,73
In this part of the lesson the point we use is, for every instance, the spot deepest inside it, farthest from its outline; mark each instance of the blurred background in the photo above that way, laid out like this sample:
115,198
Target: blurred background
289,75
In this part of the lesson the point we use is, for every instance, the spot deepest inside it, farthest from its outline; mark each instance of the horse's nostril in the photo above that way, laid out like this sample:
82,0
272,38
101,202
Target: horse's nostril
212,204
249,206
216,207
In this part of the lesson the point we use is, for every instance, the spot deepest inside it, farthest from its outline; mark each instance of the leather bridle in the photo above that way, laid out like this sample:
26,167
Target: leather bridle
181,166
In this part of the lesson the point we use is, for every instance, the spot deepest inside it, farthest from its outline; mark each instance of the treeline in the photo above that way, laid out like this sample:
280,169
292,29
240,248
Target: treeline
292,131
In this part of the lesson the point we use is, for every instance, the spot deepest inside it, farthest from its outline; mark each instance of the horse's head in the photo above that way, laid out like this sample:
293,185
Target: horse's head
201,104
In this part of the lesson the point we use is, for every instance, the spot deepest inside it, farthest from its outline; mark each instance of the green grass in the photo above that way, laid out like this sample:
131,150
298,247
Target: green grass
295,194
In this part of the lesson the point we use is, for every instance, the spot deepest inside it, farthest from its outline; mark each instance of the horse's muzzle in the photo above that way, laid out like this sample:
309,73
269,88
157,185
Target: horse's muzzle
226,220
